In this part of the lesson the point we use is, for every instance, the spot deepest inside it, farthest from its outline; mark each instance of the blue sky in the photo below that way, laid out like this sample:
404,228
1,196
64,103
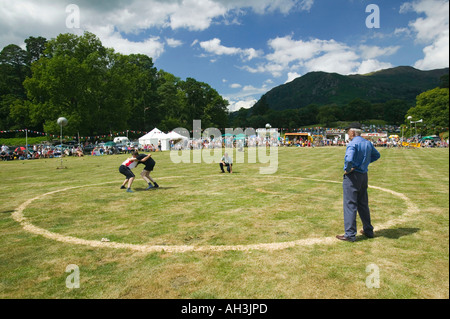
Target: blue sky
244,48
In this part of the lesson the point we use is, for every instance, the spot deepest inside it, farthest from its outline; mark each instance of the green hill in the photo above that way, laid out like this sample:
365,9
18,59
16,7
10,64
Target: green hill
320,88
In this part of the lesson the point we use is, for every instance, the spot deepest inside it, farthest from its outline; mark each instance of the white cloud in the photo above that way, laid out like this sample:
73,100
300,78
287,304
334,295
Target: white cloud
287,50
435,22
249,92
436,54
196,14
214,46
262,6
173,43
371,52
235,86
289,55
237,105
292,76
110,38
340,61
371,65
21,19
402,31
432,30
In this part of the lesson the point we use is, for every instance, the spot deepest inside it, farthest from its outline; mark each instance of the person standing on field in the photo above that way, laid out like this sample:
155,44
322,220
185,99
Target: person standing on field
359,155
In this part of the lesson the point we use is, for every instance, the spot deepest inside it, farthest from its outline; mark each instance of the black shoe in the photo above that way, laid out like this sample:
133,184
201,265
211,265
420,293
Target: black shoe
156,185
123,187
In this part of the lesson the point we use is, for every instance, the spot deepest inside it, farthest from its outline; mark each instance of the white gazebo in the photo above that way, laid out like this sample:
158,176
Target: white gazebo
154,137
174,136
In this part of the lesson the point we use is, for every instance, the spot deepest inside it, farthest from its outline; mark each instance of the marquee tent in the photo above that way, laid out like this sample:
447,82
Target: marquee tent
154,137
174,136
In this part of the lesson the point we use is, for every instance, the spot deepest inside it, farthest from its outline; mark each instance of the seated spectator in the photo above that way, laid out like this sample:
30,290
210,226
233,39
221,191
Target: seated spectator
79,152
226,162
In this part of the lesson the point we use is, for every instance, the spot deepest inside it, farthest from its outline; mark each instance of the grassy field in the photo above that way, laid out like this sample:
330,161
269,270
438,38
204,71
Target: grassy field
232,228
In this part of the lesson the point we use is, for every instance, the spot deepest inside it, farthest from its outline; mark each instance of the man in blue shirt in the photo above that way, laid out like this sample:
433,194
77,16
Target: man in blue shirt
360,153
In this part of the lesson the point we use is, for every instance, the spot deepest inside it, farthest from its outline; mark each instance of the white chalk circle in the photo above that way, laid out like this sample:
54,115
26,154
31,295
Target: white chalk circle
19,217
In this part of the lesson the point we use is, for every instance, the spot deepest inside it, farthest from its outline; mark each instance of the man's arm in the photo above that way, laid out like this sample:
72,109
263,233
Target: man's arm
349,156
375,155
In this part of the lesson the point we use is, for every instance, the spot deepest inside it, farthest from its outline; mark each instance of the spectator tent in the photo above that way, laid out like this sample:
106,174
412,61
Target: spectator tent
154,137
174,136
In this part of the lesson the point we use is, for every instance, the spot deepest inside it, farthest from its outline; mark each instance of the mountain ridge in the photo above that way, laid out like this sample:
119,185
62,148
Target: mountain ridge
322,88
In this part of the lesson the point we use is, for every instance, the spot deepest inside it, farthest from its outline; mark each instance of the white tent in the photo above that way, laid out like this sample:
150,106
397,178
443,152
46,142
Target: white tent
154,137
174,136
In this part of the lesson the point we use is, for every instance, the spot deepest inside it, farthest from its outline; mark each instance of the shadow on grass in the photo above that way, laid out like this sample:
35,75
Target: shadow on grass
155,189
396,233
7,212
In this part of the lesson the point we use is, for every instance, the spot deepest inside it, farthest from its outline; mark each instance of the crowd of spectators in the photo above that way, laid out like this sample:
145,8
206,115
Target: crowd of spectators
100,149
49,151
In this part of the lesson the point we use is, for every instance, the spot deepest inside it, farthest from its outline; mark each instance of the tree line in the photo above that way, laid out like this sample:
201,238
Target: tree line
97,89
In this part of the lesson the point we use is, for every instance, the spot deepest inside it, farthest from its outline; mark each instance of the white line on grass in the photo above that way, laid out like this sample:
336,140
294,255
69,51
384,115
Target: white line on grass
19,217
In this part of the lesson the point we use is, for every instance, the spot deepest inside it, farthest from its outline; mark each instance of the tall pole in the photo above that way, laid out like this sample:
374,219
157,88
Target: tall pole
60,137
62,121
26,143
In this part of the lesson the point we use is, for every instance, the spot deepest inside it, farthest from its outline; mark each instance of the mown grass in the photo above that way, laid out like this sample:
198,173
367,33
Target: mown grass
197,205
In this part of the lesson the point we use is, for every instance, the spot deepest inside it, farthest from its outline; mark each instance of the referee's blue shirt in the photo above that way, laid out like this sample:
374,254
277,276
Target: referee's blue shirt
360,153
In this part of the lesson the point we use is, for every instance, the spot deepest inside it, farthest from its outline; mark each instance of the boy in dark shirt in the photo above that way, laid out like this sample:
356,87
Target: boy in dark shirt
149,166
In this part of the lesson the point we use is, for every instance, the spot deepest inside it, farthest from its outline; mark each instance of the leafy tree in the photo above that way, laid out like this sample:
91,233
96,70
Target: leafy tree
35,48
358,110
444,82
394,111
97,90
202,102
171,100
328,114
76,79
14,70
433,107
378,111
308,115
239,118
144,107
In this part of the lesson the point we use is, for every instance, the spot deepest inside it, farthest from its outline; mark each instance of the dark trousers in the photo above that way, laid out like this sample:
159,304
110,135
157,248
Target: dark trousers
356,200
227,165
